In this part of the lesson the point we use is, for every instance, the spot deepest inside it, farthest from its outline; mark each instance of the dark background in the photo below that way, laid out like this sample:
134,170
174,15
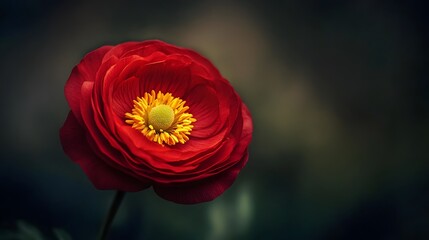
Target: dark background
338,90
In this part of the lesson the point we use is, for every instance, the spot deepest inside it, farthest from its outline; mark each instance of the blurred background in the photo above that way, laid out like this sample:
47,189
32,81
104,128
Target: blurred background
338,90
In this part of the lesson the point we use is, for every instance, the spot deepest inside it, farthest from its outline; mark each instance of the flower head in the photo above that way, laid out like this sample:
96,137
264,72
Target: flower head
152,114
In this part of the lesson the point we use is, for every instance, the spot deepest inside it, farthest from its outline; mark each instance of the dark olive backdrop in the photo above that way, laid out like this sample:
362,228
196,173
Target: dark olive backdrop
338,90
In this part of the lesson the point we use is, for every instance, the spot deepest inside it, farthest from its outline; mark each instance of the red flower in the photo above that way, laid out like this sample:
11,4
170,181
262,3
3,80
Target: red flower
152,114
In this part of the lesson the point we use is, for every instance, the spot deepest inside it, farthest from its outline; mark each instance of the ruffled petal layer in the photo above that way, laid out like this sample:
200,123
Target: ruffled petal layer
75,145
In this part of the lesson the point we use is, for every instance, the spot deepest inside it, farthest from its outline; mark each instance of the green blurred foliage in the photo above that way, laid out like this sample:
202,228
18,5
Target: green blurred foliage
26,231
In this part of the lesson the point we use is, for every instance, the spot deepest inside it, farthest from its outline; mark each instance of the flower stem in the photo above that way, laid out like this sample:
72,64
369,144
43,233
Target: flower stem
111,215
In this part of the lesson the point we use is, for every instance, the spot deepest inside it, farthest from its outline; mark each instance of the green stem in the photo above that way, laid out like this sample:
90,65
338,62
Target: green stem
111,215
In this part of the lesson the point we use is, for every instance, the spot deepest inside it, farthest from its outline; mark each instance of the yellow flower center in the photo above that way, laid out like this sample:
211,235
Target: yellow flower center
162,118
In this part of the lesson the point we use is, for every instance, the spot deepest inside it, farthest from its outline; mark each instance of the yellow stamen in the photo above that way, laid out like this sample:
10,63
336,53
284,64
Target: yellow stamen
162,118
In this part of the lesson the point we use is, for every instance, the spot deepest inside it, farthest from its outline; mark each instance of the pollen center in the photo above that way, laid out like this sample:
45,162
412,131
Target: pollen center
162,118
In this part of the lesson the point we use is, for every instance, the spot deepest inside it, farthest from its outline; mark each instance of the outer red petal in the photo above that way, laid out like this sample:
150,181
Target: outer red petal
201,191
84,71
75,145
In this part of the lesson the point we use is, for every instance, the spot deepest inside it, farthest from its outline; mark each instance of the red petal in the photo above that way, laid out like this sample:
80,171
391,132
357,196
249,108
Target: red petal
75,145
124,95
120,49
171,75
84,71
147,48
208,70
204,105
201,191
104,144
